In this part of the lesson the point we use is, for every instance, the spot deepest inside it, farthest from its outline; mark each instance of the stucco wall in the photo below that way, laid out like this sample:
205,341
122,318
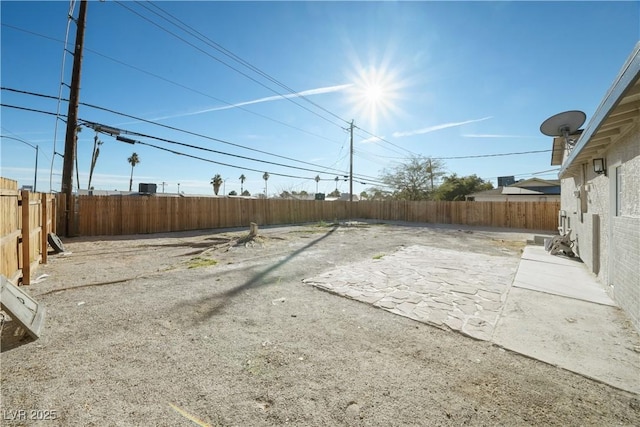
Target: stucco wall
608,244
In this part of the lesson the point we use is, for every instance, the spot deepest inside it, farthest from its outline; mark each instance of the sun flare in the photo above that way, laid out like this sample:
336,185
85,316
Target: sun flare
374,95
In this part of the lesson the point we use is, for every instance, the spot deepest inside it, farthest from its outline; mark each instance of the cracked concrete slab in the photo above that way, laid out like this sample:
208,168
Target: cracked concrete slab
430,285
546,307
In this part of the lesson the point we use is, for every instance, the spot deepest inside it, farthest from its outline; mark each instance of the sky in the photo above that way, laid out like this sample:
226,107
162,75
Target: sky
244,88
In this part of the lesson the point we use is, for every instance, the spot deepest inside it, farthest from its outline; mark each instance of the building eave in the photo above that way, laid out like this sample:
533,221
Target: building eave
618,111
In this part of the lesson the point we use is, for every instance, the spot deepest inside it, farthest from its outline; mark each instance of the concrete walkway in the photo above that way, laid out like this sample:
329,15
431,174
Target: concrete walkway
546,307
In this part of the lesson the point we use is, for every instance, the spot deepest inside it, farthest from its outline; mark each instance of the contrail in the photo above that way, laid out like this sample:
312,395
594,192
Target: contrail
437,127
318,91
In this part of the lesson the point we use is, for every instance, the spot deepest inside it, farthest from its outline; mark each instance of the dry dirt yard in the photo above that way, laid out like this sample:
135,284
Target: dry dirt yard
189,329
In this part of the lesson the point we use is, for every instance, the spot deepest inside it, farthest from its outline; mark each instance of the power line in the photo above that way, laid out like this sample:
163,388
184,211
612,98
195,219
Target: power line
379,138
172,128
358,177
224,63
233,56
99,126
72,6
230,54
341,173
492,155
180,85
33,110
215,162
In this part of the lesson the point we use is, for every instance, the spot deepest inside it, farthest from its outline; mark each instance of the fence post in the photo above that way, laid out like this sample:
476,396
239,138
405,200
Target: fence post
26,239
54,215
44,226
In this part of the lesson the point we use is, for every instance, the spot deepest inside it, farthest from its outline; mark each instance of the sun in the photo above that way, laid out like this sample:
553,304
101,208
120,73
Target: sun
374,94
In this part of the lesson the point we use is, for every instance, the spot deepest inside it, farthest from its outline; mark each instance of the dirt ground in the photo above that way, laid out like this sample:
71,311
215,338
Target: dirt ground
191,329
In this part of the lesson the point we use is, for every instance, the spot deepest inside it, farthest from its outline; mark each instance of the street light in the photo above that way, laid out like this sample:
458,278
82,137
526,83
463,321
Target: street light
35,176
224,186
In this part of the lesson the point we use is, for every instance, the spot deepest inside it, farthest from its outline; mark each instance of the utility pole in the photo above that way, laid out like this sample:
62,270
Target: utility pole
72,118
35,176
351,163
163,184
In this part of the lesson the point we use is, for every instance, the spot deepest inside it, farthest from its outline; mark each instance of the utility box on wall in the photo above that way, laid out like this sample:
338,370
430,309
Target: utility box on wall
147,188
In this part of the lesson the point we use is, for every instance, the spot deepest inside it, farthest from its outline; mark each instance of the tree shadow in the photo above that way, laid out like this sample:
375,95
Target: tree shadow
212,305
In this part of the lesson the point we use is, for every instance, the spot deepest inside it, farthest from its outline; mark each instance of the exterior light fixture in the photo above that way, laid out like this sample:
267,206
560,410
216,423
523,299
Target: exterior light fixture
599,166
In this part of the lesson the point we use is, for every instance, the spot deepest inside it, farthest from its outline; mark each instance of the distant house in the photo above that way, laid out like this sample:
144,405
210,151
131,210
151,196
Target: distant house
529,190
600,182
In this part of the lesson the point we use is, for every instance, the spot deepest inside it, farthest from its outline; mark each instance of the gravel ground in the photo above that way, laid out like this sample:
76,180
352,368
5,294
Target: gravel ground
194,329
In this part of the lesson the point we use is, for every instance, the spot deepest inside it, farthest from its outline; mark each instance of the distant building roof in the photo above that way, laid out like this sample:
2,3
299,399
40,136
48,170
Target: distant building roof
531,186
517,190
536,182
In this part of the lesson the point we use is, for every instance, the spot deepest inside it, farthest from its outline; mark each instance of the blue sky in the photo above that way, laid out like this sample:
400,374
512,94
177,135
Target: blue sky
436,79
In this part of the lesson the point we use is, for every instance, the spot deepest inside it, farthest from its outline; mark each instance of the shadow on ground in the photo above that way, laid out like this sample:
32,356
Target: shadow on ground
212,305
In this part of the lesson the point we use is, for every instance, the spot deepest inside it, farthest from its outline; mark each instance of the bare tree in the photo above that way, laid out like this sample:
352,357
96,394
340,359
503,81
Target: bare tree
415,180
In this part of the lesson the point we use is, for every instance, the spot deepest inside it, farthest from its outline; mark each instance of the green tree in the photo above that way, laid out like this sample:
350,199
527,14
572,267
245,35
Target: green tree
216,181
414,180
233,193
317,179
246,193
334,193
133,161
456,187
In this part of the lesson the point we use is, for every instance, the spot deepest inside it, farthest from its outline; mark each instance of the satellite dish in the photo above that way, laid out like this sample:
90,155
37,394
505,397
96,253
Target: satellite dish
563,124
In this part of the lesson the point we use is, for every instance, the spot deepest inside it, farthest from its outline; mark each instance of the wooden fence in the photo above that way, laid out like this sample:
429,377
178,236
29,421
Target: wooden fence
121,215
26,220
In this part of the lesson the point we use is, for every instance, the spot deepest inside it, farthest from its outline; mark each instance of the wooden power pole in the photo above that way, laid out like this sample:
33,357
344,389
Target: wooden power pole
351,163
72,120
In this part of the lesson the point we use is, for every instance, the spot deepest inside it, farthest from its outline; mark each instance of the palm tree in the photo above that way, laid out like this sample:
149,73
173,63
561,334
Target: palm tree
242,180
317,181
265,176
133,160
337,179
216,181
94,158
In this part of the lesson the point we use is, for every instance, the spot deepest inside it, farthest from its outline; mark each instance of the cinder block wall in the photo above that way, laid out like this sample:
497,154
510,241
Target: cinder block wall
625,231
612,249
626,272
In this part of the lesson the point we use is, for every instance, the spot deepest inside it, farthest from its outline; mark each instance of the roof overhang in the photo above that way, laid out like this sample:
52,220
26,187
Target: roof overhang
618,112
